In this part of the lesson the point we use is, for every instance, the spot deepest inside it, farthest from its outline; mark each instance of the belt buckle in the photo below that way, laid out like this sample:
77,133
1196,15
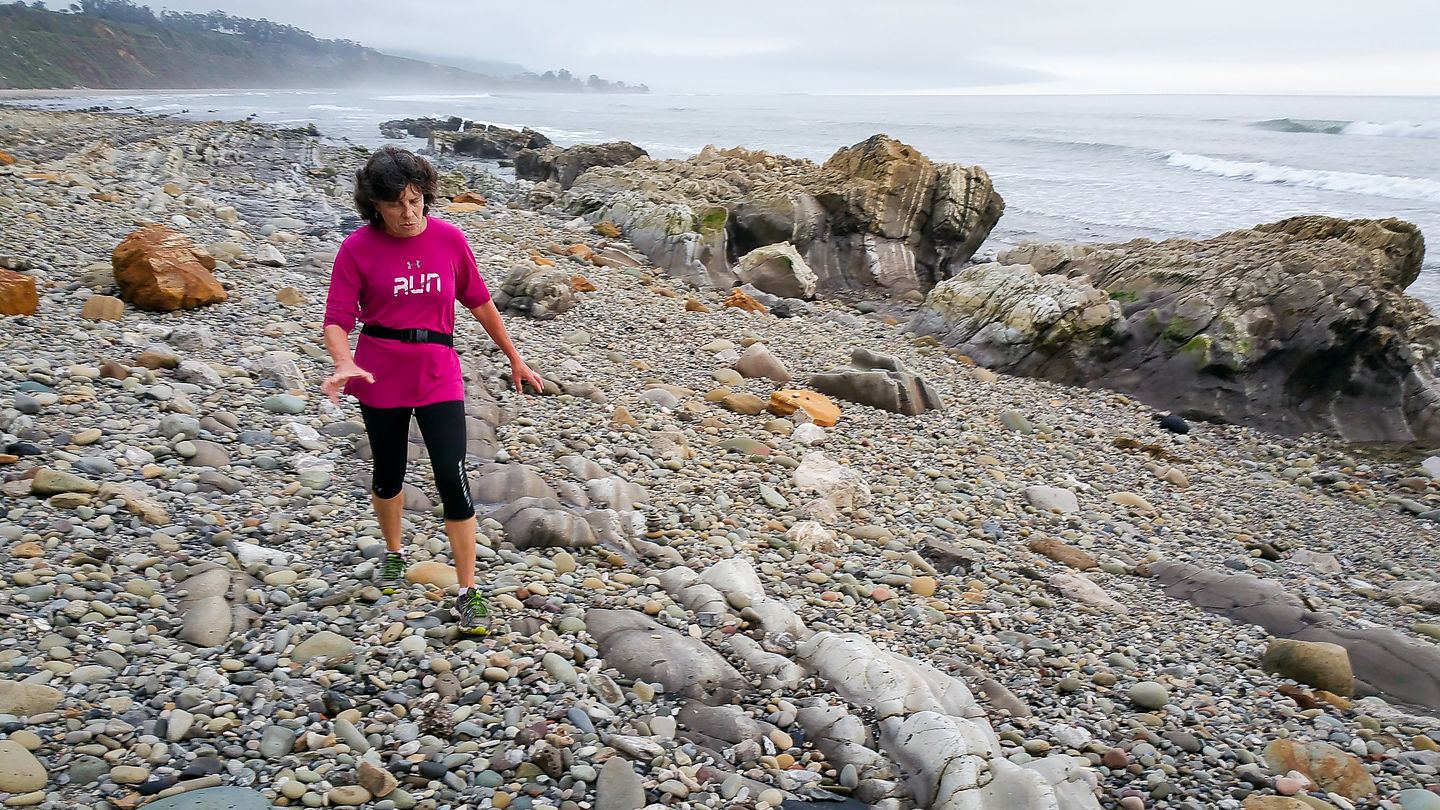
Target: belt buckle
421,335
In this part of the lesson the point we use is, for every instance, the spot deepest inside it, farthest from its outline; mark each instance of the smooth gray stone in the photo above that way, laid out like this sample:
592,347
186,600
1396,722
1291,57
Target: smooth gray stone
619,786
217,798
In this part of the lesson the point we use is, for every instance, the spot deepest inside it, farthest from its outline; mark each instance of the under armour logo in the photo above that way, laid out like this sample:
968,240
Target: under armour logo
415,265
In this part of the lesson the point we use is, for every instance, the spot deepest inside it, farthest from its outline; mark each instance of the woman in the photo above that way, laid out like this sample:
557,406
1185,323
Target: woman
401,274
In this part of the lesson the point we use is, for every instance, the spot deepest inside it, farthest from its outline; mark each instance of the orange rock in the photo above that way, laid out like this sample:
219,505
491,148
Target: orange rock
102,308
693,304
607,229
821,410
17,293
556,249
542,261
666,292
469,197
582,251
6,158
27,551
1062,553
882,594
1328,767
740,300
160,269
581,284
463,208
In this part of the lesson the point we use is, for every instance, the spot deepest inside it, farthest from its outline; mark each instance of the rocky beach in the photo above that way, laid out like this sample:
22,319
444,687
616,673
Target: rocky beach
750,547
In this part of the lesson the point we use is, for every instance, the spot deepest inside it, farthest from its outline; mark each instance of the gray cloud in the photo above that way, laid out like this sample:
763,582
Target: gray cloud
799,45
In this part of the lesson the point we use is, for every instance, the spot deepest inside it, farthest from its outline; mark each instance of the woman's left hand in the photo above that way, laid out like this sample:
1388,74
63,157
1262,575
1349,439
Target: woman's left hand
521,374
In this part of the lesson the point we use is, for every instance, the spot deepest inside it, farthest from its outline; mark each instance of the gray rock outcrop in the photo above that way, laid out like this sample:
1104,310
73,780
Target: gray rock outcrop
1300,325
876,217
563,166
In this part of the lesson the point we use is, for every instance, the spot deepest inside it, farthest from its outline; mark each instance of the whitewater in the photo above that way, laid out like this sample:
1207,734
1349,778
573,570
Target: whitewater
1071,168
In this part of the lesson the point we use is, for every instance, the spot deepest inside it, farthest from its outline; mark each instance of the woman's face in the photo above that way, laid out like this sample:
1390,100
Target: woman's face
404,216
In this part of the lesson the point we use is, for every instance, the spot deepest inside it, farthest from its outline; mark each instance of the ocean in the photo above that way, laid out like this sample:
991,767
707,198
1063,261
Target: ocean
1071,168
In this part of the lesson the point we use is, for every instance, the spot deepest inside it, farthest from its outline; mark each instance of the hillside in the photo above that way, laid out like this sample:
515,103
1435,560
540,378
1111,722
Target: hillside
118,44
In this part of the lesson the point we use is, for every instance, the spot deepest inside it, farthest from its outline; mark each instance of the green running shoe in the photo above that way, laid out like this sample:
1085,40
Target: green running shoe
472,612
392,572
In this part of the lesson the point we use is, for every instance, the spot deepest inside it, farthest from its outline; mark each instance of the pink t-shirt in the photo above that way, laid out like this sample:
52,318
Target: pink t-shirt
405,283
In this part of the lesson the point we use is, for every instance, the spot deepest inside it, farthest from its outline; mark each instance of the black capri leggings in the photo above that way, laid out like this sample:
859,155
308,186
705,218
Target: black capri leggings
443,426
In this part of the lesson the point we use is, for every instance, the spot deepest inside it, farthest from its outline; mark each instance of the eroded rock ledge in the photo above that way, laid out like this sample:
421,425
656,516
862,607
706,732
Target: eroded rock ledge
1300,325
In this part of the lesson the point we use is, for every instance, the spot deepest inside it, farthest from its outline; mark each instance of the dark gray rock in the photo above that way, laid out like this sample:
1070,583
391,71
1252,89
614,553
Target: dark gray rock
880,381
563,166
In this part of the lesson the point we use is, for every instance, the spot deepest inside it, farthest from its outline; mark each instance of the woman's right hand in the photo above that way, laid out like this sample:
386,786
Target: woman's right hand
344,372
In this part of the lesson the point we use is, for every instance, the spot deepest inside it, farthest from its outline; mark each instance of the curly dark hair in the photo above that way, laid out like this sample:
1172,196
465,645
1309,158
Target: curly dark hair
385,176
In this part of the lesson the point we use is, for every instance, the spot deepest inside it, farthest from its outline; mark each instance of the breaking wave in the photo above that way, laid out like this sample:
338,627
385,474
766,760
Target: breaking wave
1390,129
1378,185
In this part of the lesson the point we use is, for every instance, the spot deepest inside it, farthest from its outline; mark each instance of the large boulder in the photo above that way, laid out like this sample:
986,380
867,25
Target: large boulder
17,293
1300,325
777,269
880,381
876,217
563,166
539,291
161,269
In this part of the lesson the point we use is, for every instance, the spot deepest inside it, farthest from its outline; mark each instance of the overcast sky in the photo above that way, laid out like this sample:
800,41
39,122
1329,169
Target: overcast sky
1228,46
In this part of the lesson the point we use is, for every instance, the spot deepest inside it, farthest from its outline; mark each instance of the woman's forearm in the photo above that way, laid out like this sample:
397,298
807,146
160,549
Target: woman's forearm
489,318
337,343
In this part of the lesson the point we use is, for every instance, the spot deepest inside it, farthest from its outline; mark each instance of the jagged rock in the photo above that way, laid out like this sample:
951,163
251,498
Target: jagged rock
490,142
834,482
1299,325
778,269
17,293
640,648
538,291
876,215
420,127
563,166
160,269
880,381
757,361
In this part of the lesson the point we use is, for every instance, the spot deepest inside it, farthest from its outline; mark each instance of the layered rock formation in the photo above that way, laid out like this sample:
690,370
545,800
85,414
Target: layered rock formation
556,165
877,217
1299,325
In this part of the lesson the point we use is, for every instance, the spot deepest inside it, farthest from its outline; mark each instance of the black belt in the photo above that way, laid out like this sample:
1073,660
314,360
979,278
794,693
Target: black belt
408,335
